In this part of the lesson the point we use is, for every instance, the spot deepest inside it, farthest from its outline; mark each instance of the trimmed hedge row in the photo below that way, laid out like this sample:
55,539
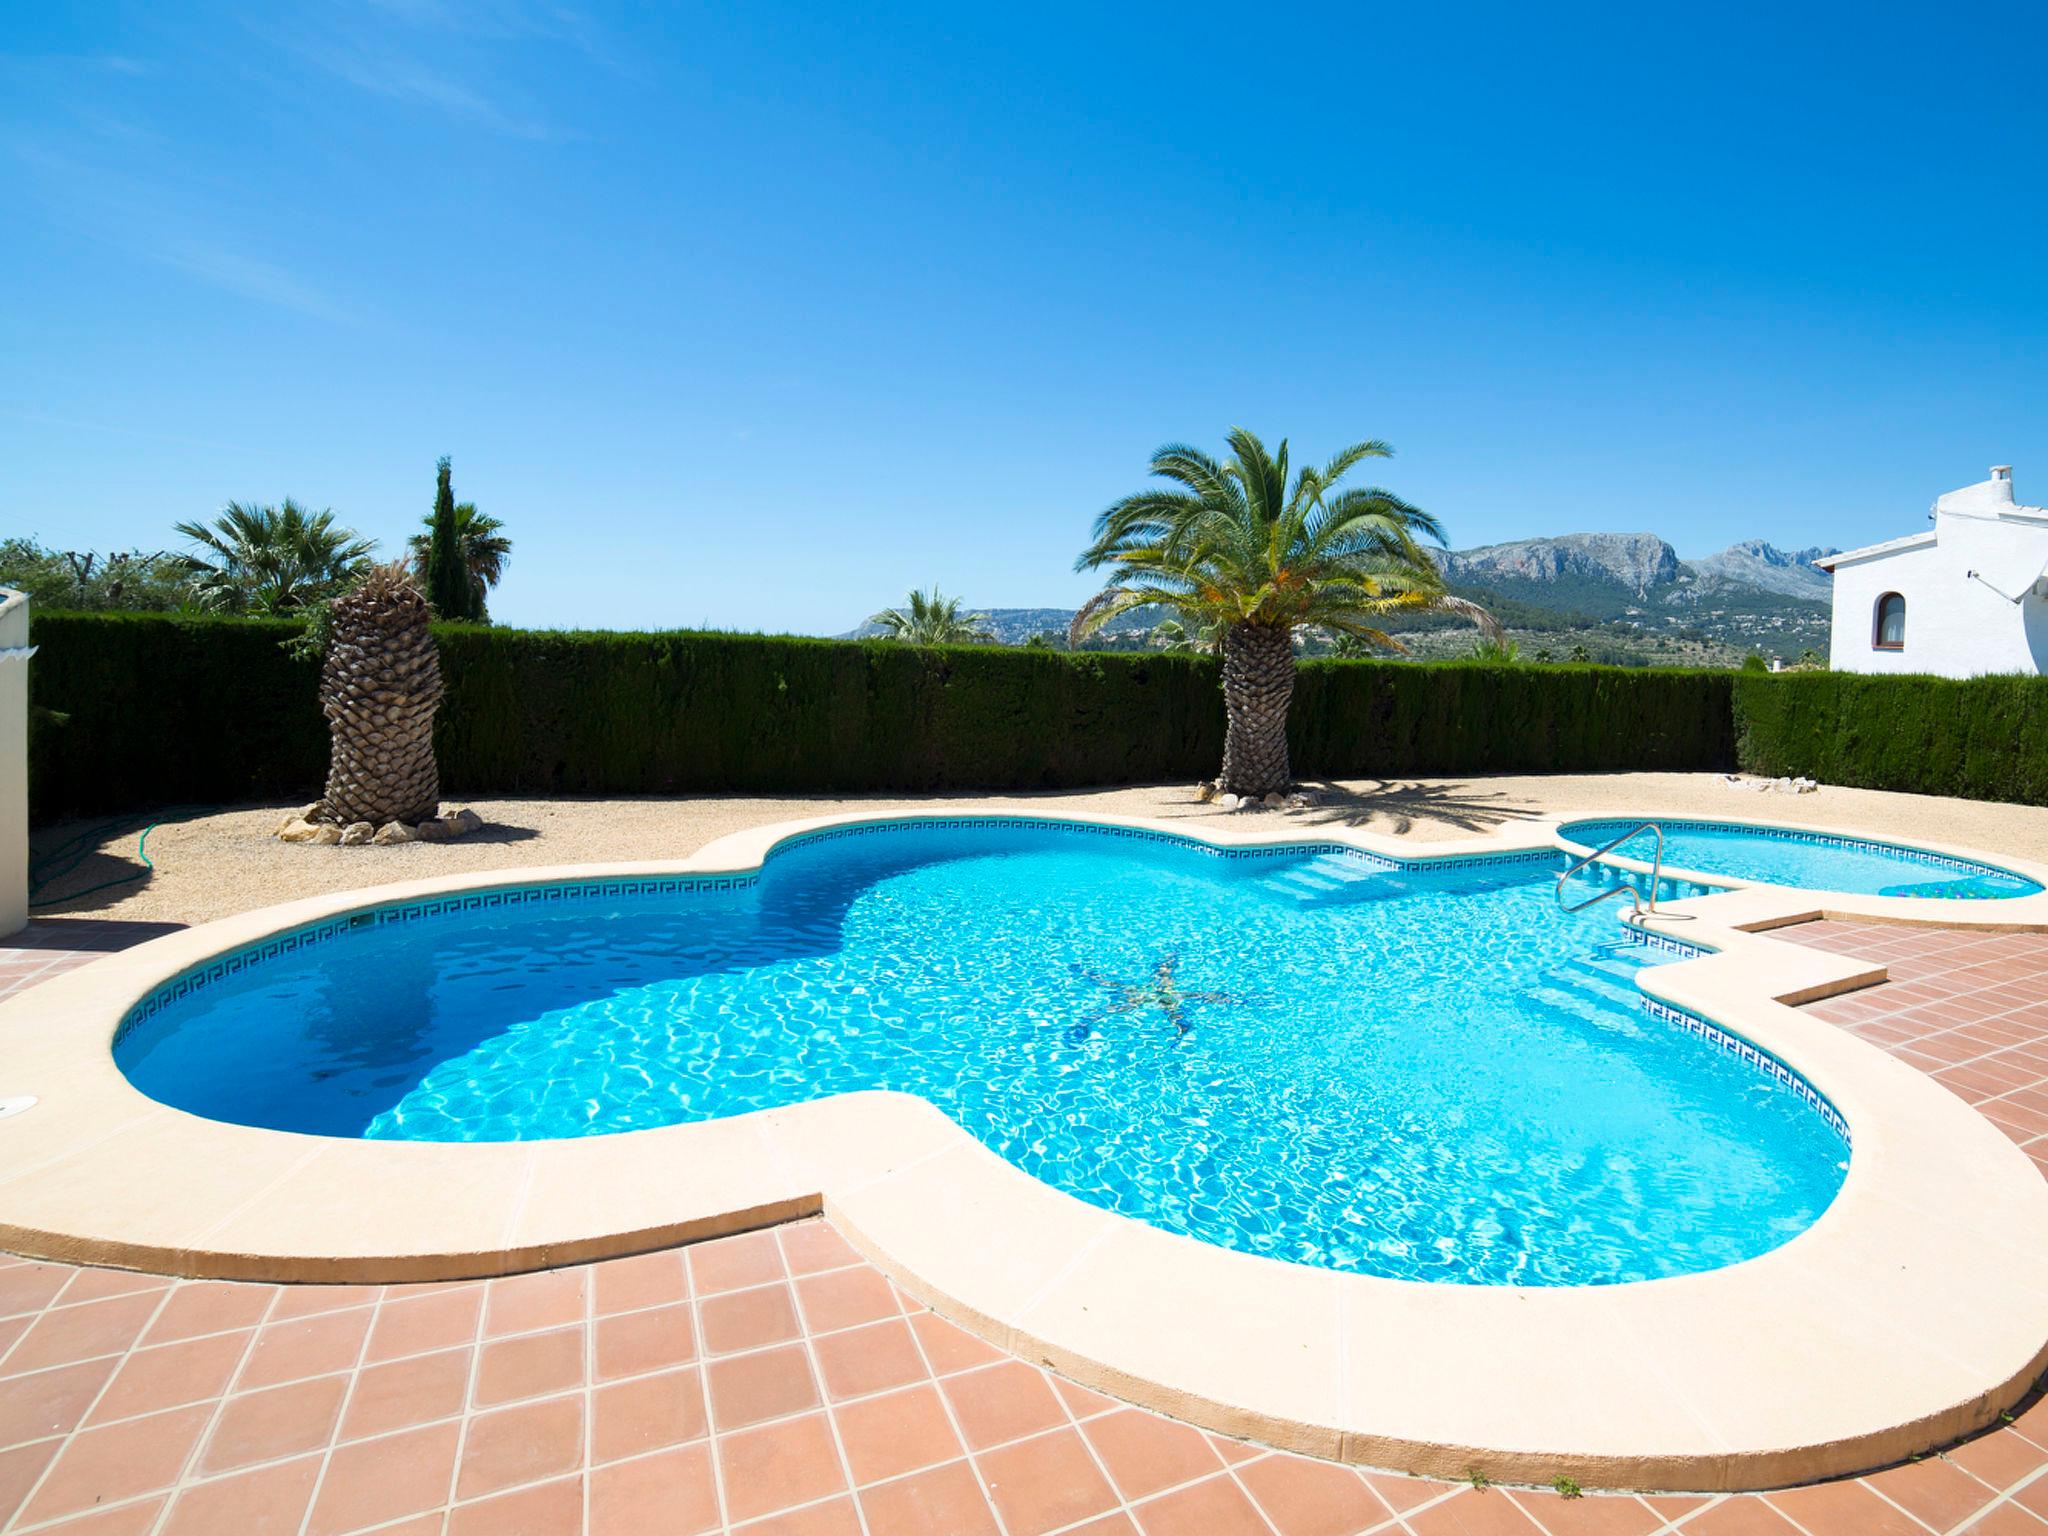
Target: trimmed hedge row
1982,738
160,710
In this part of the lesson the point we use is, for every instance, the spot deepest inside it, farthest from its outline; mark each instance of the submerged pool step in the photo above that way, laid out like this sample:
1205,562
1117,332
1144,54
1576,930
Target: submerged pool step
1320,877
1600,985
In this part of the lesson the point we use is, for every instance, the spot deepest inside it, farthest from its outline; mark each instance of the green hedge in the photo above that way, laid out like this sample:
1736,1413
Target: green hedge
161,710
1984,738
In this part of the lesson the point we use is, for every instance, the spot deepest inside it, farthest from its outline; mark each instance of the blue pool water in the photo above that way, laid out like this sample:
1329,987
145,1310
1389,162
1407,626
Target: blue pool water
1427,1075
1812,860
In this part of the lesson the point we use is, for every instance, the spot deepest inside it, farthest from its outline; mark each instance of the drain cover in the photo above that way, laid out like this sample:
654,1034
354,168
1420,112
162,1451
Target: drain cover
14,1106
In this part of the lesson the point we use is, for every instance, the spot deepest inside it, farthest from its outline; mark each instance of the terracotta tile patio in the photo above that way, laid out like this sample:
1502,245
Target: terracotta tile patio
773,1382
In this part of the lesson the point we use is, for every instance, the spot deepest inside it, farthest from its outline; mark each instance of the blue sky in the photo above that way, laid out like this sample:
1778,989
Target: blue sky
756,316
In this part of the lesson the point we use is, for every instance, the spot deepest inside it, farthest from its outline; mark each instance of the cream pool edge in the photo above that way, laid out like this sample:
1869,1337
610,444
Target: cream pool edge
1914,1311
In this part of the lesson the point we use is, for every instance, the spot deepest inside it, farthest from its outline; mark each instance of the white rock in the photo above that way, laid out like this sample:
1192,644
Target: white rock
1205,791
357,833
394,832
1229,802
465,821
300,830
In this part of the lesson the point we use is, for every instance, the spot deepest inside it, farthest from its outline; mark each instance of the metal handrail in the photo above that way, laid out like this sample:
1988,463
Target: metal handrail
1656,874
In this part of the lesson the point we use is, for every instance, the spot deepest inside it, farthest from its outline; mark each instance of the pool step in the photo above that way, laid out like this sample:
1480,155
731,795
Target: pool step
1601,984
1319,878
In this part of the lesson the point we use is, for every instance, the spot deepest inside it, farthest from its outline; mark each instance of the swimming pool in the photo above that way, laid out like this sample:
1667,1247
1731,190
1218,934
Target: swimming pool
1301,1052
1817,861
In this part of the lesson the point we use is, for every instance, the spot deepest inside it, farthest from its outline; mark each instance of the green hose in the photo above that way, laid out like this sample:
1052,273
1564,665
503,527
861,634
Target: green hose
62,860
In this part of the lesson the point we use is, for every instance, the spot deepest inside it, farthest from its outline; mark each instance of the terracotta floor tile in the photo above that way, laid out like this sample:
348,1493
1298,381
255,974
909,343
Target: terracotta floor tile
171,1375
266,1501
550,1509
311,1300
670,1491
12,1328
273,1423
835,1517
731,1263
636,1342
403,1393
1675,1506
29,1288
874,1358
1939,1492
844,1298
1046,1482
1403,1493
424,1323
1002,1402
771,1384
312,1346
778,1466
548,1298
645,1280
532,1365
210,1306
944,1501
747,1319
1595,1514
1741,1515
20,1467
120,1461
809,1246
896,1433
376,1481
51,1402
1084,1402
136,1519
98,1284
1109,1525
1315,1498
522,1444
2007,1520
1474,1512
1232,1451
1844,1509
1146,1454
950,1347
1215,1507
647,1413
66,1335
2001,1458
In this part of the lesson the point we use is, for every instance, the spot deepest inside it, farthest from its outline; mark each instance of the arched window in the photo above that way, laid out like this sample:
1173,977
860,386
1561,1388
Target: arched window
1890,633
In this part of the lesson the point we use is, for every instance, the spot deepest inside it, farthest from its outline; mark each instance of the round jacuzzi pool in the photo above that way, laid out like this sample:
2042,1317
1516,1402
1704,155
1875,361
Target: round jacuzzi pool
1307,1052
1818,861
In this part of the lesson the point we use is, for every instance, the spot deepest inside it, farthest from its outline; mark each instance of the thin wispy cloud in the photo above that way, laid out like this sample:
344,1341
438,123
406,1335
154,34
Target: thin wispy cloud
146,220
384,72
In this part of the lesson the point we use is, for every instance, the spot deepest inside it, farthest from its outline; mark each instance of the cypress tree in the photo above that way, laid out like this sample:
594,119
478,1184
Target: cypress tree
448,584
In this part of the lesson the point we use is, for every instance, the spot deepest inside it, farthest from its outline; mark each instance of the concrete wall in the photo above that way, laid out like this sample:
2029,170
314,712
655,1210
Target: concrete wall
13,760
1956,625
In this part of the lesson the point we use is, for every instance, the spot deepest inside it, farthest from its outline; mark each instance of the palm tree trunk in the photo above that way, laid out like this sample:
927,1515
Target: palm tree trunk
1258,684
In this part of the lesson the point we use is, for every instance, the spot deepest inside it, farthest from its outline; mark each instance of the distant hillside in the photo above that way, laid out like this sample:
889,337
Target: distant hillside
1621,597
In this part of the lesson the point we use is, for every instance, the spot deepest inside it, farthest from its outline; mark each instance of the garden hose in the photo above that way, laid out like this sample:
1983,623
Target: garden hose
74,851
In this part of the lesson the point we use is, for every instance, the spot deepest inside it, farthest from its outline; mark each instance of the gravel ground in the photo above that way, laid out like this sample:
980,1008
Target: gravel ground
227,862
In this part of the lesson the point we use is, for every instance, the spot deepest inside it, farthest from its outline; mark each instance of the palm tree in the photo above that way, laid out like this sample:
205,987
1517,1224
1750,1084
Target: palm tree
482,548
933,619
1234,544
379,688
280,559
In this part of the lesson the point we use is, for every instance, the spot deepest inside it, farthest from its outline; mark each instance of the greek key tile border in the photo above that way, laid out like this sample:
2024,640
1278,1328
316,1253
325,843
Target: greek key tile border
1752,1056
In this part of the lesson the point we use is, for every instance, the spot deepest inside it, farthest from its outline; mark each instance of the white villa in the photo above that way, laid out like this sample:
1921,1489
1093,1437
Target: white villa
1968,596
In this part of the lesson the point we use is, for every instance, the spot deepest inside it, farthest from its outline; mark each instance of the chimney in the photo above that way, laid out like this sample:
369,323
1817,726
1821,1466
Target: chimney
2001,481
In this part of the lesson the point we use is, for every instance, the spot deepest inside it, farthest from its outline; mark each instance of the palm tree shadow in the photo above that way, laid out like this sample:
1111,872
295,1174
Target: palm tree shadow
1401,806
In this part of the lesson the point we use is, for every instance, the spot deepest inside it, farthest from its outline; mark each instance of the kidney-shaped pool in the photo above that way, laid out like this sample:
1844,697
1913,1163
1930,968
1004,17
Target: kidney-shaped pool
1300,1052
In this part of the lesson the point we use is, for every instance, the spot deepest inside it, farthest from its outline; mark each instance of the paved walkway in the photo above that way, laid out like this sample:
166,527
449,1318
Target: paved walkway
773,1382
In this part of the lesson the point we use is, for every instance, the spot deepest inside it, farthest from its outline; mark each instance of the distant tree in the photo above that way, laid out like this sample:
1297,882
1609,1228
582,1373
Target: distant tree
1499,651
1812,660
1581,654
447,580
85,581
482,550
1544,656
1046,640
933,619
1754,662
271,560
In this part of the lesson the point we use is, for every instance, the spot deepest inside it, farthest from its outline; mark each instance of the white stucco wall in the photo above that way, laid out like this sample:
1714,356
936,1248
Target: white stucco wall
13,761
1956,626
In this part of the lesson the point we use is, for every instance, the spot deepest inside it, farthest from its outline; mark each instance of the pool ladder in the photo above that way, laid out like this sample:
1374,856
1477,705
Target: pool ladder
1656,874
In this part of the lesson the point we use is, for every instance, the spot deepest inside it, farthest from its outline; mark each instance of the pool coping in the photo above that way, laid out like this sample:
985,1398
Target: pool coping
1903,1318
